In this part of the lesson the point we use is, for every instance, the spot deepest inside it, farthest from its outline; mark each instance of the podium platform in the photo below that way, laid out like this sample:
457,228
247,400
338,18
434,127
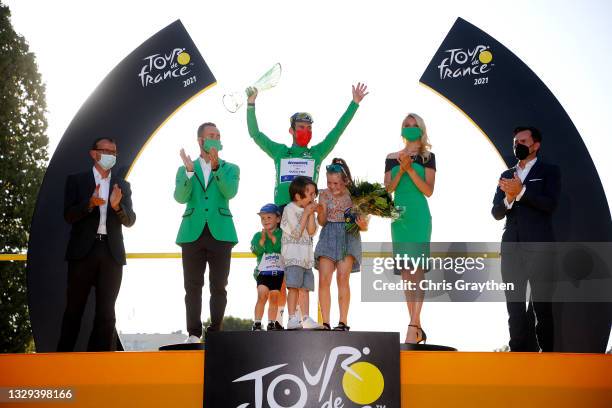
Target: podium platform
442,379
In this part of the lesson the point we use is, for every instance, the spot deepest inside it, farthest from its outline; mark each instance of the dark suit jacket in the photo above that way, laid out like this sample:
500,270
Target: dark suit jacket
79,188
530,219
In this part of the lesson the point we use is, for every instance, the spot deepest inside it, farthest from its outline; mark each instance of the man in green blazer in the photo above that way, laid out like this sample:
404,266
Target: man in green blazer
207,233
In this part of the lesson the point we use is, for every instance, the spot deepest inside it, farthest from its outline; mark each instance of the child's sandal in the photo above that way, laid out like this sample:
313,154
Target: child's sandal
342,327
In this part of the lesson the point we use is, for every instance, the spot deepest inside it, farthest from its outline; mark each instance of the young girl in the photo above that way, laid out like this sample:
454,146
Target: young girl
266,245
337,249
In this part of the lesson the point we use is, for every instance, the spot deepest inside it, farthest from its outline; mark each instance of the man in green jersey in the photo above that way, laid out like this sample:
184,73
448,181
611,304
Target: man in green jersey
299,159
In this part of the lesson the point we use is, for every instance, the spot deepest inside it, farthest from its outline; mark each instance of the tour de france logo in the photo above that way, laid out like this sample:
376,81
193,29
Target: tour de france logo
467,62
362,382
168,65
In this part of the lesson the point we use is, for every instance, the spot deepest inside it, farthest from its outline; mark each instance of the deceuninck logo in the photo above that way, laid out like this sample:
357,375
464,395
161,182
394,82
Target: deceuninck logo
161,66
362,382
466,62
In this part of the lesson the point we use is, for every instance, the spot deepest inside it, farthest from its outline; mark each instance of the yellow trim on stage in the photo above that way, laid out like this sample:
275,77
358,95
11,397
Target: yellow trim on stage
238,255
162,124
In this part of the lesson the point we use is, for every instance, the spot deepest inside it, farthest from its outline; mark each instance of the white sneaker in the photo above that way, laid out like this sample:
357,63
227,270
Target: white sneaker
294,323
193,339
309,323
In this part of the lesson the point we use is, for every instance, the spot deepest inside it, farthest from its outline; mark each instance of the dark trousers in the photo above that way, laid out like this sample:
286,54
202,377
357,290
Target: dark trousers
101,271
531,326
218,256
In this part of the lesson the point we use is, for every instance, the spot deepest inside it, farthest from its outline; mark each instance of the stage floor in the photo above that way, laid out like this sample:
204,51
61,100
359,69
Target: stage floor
428,379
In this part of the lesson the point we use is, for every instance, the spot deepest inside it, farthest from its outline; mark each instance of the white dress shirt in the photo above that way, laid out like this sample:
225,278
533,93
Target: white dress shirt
103,193
206,169
522,174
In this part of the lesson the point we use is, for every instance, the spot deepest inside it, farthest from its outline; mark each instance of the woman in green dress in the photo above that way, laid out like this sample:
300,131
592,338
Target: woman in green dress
411,174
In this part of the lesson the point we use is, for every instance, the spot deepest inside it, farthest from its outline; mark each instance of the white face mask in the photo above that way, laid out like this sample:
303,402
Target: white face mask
107,161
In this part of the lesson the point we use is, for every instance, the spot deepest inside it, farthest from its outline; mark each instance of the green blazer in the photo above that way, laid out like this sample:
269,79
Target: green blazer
210,205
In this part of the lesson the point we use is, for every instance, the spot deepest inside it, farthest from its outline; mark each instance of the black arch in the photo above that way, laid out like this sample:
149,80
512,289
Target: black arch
123,108
501,94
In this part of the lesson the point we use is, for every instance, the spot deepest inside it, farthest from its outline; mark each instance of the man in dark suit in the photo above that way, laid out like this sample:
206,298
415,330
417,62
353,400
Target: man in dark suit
96,203
526,196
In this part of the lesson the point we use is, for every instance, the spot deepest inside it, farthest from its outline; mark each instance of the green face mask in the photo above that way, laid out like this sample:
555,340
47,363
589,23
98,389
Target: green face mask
210,143
412,134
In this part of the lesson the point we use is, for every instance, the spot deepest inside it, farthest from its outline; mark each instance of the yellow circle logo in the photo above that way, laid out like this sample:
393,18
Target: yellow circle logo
366,388
485,57
183,58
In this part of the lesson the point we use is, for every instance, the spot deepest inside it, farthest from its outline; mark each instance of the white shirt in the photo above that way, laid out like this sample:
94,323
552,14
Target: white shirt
206,169
296,248
104,194
522,174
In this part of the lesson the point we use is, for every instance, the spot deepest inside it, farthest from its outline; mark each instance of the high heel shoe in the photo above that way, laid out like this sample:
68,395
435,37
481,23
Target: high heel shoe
422,338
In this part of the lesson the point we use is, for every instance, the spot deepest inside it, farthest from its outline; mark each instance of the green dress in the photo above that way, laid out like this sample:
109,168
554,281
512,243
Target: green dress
411,232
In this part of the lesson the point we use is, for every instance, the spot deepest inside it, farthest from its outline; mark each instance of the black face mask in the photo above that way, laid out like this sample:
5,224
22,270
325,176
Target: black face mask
521,151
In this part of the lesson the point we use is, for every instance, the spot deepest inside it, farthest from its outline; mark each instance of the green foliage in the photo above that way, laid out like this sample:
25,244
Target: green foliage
369,199
231,323
23,159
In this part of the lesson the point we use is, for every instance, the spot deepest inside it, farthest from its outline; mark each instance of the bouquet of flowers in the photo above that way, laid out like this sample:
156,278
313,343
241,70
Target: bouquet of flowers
369,199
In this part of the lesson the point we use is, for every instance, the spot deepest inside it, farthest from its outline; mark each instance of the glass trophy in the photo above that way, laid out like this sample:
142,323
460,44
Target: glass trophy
233,101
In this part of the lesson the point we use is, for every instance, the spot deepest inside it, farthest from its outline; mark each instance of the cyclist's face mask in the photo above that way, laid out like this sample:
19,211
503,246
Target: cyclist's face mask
303,136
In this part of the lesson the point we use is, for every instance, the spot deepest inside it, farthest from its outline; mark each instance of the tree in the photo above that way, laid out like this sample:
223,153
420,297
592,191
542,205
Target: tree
23,159
231,323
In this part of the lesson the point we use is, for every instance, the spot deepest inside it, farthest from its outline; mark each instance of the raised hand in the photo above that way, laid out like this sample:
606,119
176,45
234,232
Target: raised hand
359,92
115,197
251,92
262,240
95,200
187,162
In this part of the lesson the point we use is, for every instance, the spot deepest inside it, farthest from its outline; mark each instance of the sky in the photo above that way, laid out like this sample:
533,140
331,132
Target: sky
324,47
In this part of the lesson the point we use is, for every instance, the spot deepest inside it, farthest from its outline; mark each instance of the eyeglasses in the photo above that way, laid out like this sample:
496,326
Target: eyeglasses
106,151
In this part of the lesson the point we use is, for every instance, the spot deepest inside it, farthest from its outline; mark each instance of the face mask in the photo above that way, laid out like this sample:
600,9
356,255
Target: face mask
521,151
107,161
303,136
210,143
412,134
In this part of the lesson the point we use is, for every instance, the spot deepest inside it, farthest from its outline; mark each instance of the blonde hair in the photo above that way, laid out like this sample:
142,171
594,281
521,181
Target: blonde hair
425,150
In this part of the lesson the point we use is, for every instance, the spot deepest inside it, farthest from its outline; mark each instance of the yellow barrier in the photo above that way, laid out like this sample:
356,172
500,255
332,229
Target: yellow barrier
177,255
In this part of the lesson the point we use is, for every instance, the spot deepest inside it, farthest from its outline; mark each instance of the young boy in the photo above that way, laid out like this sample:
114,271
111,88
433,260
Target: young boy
266,245
299,226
